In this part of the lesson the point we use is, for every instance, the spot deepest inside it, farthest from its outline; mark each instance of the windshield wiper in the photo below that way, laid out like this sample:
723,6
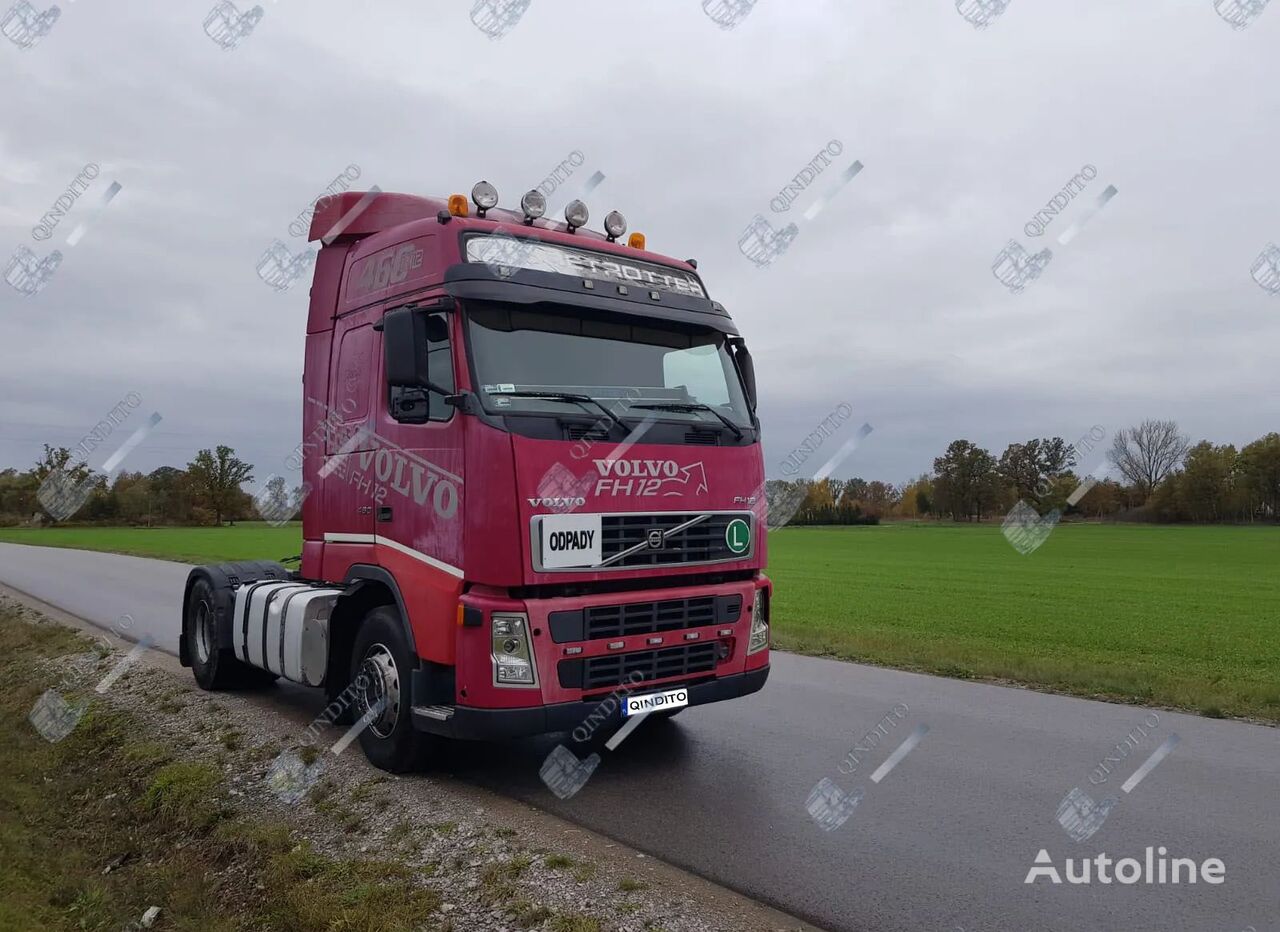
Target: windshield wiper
567,396
692,406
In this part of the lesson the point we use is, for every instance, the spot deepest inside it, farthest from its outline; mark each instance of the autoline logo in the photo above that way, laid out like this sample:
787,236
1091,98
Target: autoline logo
1154,867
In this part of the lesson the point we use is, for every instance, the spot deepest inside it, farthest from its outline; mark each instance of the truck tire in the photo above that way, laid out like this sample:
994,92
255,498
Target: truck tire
380,677
215,668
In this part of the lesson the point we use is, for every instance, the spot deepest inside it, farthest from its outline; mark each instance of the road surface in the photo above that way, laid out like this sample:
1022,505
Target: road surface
944,841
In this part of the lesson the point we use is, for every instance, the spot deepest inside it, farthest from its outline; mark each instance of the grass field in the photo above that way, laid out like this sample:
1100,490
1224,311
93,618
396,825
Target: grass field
1178,616
1182,616
248,540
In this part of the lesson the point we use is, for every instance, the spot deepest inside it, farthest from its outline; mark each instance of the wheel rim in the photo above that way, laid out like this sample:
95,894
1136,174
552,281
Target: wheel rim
378,688
204,632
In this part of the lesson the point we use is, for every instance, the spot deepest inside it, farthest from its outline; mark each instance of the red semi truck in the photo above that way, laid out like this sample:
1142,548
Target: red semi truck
534,477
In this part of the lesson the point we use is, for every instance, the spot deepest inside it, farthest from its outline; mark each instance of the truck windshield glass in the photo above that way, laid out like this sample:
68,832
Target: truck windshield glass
524,358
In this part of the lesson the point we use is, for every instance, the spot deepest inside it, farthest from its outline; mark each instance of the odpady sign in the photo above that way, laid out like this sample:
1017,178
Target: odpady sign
570,540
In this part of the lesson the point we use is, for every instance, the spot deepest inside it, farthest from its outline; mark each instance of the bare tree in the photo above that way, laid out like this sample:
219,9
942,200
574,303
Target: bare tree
1147,453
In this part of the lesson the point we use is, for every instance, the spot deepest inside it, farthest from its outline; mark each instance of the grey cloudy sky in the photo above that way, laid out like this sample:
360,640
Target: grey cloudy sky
886,300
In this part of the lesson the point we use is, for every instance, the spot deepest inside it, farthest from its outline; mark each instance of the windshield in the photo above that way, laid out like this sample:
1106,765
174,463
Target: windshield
631,368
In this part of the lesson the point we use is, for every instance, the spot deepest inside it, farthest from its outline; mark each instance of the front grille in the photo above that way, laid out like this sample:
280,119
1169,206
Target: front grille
614,621
603,672
703,542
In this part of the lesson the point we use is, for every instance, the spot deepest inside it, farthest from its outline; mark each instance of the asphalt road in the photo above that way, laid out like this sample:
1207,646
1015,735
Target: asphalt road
944,841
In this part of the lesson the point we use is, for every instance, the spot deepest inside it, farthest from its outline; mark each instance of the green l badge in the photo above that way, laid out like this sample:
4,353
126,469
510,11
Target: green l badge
737,536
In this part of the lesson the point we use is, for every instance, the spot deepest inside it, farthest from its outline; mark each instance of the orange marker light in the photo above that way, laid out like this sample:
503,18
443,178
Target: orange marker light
457,205
636,241
459,614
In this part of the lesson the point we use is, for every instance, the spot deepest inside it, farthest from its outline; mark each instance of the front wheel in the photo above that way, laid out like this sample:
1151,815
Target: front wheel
380,668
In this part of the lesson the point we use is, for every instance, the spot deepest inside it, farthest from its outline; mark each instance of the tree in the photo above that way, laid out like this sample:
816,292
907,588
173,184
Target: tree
1148,453
216,477
1032,468
967,479
1206,487
880,498
57,459
1022,466
1057,457
1259,467
275,498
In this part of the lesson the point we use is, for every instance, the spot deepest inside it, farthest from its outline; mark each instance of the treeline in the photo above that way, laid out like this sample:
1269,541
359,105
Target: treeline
1153,473
207,491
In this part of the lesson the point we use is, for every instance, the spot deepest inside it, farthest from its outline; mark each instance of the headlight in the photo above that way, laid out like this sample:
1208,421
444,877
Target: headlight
576,215
614,224
759,623
512,652
533,204
485,195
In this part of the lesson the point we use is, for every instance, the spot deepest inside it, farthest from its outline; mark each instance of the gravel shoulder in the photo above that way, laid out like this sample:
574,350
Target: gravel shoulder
463,857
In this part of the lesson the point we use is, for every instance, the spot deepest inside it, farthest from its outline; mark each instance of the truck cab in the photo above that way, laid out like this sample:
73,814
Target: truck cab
533,480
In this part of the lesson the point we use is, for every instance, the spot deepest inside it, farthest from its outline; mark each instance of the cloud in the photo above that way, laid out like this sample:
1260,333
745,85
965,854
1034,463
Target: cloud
885,300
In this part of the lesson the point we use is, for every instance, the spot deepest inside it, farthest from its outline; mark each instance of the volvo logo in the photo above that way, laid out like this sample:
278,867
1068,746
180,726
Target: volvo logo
656,539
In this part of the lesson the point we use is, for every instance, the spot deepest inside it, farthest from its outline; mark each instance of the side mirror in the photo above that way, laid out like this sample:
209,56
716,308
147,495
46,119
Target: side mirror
748,369
404,347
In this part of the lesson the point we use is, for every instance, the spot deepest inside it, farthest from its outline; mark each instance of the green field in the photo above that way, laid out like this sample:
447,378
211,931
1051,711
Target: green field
1171,616
249,540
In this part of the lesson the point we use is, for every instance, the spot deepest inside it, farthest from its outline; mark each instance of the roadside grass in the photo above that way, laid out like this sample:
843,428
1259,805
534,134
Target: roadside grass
1173,616
107,822
1177,616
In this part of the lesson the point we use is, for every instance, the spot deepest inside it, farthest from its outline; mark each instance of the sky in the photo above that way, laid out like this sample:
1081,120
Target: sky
885,300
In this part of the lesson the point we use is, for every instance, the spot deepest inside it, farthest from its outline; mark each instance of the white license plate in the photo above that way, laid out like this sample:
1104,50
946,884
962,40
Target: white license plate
655,702
571,540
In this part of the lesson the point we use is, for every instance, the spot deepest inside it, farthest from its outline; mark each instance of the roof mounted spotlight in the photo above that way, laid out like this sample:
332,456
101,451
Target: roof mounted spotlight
576,215
614,225
486,197
534,206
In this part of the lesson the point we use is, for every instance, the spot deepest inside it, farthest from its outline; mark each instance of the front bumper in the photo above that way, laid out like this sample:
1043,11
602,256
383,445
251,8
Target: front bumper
494,724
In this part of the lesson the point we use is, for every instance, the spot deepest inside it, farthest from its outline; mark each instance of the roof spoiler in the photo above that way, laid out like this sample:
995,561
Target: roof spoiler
359,213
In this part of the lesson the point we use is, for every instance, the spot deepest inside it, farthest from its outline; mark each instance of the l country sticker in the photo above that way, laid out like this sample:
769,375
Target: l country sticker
737,536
